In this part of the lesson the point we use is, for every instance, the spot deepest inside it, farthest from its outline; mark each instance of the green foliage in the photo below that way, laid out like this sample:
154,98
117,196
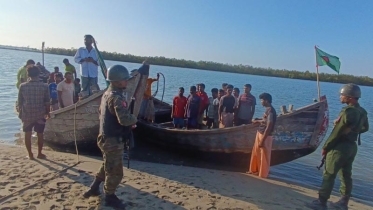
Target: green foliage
214,66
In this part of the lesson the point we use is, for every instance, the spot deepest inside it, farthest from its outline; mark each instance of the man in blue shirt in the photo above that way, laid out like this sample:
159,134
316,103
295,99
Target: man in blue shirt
87,58
193,108
53,91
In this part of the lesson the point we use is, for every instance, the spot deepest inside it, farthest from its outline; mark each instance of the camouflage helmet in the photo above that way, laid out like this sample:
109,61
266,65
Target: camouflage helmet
350,90
117,73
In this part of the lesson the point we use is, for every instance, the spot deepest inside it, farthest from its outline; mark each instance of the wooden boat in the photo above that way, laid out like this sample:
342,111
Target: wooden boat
80,121
296,134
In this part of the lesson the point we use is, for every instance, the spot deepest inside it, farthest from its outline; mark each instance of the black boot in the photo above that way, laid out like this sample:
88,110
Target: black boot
113,201
342,203
95,188
319,204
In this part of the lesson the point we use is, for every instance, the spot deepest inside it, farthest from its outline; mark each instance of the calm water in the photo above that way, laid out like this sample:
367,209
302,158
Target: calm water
284,92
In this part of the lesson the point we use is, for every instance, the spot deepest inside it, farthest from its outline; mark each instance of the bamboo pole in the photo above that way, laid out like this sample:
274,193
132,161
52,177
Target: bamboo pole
317,76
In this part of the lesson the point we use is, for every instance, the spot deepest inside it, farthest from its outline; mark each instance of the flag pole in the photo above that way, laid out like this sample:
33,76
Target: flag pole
317,75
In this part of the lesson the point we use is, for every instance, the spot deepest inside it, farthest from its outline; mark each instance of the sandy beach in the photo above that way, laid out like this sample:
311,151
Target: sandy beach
58,183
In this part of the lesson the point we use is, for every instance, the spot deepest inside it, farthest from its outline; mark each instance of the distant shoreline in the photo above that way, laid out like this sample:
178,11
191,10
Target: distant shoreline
20,48
213,66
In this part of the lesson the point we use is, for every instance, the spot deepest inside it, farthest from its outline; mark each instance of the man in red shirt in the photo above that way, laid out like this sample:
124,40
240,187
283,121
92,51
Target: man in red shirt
204,103
51,76
178,109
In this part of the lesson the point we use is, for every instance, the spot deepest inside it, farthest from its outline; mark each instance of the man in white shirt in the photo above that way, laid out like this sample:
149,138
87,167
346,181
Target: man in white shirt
87,58
65,91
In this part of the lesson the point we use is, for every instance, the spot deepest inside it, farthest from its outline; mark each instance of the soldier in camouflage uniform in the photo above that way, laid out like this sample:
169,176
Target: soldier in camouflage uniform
340,148
115,118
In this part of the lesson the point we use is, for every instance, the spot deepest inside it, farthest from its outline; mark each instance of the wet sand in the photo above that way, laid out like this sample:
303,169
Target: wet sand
57,183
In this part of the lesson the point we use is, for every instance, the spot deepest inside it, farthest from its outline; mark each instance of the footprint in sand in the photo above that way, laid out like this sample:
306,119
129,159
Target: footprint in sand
156,192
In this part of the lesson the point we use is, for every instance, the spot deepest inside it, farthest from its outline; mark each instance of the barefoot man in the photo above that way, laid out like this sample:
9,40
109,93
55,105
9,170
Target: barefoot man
33,107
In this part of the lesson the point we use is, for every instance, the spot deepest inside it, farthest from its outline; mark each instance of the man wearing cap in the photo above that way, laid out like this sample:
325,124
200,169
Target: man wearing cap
87,58
22,72
340,148
115,119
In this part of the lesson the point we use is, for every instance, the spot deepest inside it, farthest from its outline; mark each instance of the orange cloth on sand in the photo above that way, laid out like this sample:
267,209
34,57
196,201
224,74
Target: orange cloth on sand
261,157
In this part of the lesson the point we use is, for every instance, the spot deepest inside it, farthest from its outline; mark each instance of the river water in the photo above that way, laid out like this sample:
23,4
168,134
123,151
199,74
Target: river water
284,92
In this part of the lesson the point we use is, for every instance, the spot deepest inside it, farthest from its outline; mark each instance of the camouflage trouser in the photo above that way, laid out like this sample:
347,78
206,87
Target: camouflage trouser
338,161
111,169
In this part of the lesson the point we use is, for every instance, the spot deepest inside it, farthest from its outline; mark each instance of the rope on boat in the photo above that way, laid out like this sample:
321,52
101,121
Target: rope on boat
76,145
164,86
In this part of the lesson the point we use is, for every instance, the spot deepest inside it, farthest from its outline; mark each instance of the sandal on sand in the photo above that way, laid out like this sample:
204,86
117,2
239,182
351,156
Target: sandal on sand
42,156
30,157
254,173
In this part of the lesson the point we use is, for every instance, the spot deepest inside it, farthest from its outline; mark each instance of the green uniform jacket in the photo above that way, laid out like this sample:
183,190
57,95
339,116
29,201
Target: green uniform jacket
21,74
352,120
118,106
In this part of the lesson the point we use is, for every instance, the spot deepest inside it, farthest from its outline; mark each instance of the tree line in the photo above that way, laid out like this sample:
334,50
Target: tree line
215,66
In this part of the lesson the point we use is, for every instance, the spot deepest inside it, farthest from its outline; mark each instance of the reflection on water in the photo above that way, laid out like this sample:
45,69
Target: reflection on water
284,91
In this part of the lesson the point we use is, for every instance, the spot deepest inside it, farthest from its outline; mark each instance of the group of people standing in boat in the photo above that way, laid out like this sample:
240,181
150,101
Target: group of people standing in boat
223,109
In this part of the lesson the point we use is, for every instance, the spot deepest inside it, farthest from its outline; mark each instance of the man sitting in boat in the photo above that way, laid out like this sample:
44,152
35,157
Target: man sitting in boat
226,108
193,108
178,109
147,104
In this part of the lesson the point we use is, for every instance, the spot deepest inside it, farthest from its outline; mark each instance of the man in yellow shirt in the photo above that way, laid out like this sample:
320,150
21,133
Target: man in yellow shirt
22,72
69,68
147,109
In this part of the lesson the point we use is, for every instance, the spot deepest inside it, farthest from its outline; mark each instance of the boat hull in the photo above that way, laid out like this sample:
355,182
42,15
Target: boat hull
296,134
80,122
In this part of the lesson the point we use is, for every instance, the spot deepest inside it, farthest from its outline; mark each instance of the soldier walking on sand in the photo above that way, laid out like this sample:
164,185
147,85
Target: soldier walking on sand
115,119
340,148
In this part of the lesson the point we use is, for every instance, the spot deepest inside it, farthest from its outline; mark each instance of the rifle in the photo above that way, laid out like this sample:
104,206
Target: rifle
322,163
128,139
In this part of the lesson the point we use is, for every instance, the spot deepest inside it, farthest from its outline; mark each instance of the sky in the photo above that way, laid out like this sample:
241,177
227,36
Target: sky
280,34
